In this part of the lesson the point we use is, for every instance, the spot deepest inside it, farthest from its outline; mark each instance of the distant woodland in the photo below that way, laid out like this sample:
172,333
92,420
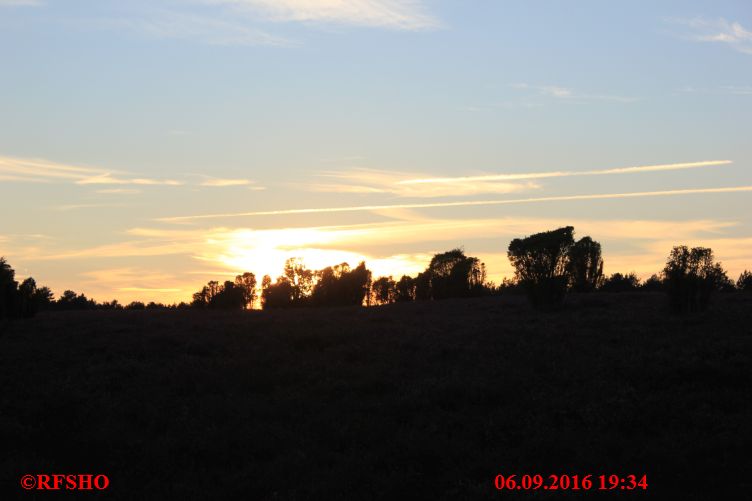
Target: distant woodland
548,266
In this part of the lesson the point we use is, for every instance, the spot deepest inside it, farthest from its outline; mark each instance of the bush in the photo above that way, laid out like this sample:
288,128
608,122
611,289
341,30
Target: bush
621,283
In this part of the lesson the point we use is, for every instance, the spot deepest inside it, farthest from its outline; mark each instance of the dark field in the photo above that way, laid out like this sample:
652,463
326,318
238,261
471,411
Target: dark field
415,401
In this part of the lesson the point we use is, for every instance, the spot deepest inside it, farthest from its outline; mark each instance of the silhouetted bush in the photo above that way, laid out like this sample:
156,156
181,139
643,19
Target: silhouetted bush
691,276
652,284
744,283
620,283
585,265
541,263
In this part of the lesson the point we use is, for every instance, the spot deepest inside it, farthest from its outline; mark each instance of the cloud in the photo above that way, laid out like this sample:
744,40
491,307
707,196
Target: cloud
215,182
393,14
83,206
541,175
566,94
35,170
469,203
202,28
119,191
733,34
371,181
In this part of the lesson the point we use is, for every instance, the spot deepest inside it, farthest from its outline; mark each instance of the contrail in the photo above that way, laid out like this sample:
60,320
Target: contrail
470,203
539,175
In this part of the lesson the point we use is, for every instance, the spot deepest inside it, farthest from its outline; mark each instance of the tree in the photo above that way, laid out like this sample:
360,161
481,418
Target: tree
585,265
8,287
691,276
541,263
620,283
229,297
744,283
340,286
201,298
452,274
405,289
422,284
276,295
384,290
27,301
300,279
247,284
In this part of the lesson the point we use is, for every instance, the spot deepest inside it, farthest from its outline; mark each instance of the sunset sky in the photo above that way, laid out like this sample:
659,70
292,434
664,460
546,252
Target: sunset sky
147,147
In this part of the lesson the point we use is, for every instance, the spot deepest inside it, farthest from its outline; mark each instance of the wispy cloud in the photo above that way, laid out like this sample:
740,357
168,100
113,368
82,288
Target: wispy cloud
209,29
119,191
371,181
45,171
469,203
394,14
730,33
567,94
216,182
550,174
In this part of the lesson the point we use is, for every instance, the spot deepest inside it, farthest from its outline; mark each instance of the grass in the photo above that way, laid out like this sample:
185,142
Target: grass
416,401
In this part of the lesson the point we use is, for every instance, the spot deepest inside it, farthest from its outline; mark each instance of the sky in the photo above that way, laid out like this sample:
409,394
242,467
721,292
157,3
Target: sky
147,147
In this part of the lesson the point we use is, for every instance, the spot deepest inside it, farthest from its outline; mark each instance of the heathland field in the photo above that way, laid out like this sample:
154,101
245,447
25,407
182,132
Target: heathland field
429,400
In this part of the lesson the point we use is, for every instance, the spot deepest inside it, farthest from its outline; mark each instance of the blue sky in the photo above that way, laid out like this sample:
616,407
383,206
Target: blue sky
120,119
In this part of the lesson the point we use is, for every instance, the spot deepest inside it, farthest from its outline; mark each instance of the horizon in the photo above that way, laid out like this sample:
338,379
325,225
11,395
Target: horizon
151,147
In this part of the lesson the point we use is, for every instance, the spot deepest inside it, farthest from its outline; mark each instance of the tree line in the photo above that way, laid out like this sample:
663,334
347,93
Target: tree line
548,266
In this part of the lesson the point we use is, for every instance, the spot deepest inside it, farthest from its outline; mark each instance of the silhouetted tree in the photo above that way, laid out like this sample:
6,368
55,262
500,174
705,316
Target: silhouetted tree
201,298
276,295
135,305
229,297
8,291
452,274
620,283
541,262
247,284
423,286
384,290
585,265
691,276
744,283
300,279
340,286
405,289
69,300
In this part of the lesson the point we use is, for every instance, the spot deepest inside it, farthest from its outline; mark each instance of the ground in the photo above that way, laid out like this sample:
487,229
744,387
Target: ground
416,401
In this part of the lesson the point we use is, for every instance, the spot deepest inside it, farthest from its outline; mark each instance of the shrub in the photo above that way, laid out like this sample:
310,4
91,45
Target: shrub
621,283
